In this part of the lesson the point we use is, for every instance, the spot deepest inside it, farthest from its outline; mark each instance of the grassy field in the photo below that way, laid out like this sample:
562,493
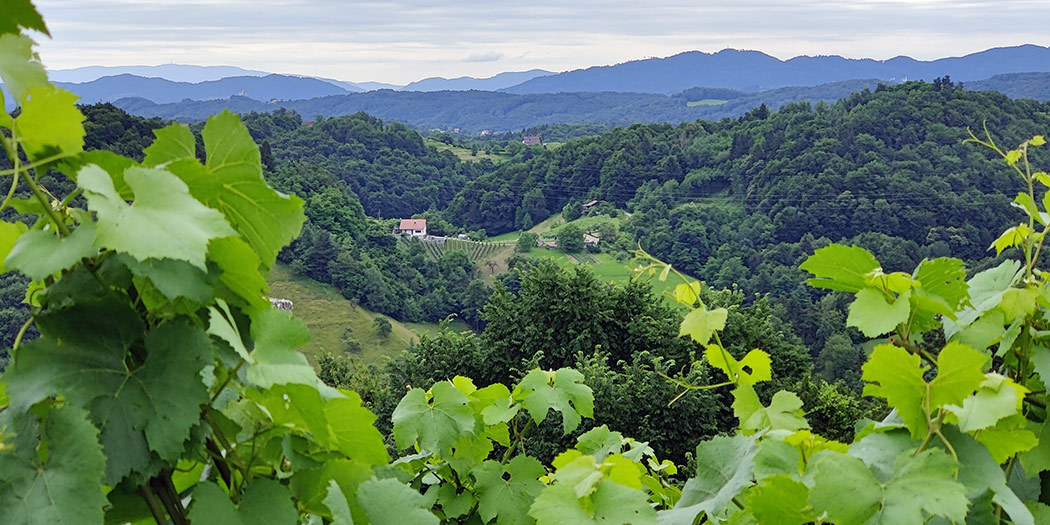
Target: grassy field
705,102
431,329
606,268
328,315
586,223
463,154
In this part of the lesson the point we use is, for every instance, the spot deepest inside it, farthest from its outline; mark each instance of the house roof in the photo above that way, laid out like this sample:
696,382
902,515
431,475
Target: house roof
589,204
413,224
588,238
531,139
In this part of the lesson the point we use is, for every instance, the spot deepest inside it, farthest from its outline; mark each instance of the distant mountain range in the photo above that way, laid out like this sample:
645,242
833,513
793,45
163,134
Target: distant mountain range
495,83
162,91
754,71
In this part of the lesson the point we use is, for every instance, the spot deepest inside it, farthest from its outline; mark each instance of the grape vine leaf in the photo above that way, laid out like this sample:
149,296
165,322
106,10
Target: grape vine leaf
39,253
164,221
263,502
151,408
1037,459
337,504
895,375
609,503
21,13
999,397
50,122
724,467
959,374
921,486
352,430
240,270
174,142
981,473
266,219
562,390
436,426
755,367
701,323
389,501
38,487
173,279
986,291
874,315
20,67
275,359
508,498
839,267
779,499
10,232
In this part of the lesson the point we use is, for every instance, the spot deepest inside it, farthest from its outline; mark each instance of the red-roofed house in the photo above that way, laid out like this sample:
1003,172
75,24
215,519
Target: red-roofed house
413,227
532,140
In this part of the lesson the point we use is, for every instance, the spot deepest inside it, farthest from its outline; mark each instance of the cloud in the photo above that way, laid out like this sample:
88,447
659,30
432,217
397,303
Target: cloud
490,56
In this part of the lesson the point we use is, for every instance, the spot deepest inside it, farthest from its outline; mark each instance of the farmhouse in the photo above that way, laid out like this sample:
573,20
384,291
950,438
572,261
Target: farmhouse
590,240
531,140
413,227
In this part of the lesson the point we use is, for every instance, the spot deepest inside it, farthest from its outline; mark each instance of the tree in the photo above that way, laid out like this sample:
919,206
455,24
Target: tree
382,326
526,242
570,238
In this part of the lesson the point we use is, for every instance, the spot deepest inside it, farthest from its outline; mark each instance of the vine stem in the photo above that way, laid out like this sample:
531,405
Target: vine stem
155,507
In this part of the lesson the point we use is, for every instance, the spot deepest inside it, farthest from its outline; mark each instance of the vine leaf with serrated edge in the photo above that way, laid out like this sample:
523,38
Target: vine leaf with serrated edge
562,390
839,267
436,423
724,467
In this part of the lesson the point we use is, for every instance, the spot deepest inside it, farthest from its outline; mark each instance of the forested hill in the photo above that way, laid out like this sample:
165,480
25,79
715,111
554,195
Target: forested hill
386,165
889,165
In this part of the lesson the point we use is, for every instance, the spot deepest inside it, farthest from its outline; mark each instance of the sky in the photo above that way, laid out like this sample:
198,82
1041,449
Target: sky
400,41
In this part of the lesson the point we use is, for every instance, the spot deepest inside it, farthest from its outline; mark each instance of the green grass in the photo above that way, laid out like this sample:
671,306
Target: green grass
705,102
586,223
506,237
432,329
606,268
328,314
464,154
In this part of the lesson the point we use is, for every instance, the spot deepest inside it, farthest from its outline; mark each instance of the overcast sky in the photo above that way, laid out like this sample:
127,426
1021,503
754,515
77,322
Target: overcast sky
404,40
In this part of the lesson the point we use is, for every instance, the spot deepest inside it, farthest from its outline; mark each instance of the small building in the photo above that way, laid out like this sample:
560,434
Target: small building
590,240
549,244
590,205
532,140
413,227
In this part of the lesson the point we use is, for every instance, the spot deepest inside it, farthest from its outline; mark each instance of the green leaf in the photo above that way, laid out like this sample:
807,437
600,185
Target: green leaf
1018,302
839,267
50,122
724,468
173,279
983,332
508,498
945,278
264,501
352,430
895,375
959,374
999,397
1040,360
337,504
1025,202
986,292
1011,237
174,142
40,254
434,425
563,390
240,271
10,232
20,67
779,499
610,503
874,315
1037,140
141,411
896,282
921,486
980,473
755,367
687,294
1013,156
21,13
266,219
700,324
49,475
388,501
275,360
163,222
